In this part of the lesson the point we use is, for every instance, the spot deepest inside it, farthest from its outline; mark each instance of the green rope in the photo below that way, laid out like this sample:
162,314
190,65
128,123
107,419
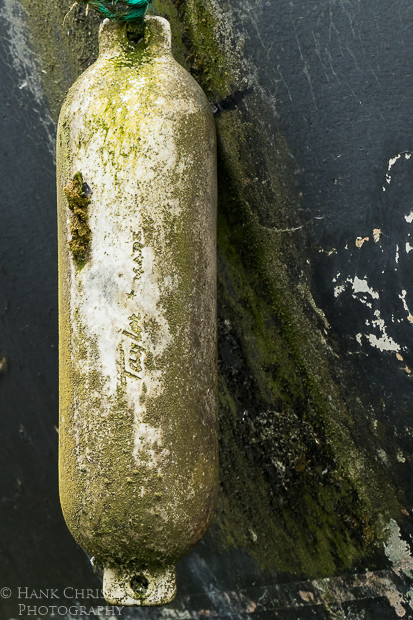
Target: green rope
121,10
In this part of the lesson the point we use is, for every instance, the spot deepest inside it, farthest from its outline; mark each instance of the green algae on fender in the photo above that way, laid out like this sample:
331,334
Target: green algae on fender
138,441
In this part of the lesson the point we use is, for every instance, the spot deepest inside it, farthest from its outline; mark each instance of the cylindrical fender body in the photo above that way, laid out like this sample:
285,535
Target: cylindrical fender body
136,182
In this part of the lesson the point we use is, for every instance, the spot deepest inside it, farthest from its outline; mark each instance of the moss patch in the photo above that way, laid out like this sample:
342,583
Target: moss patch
78,202
207,61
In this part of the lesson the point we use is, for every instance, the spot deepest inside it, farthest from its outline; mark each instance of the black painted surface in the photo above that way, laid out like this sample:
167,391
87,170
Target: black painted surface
339,74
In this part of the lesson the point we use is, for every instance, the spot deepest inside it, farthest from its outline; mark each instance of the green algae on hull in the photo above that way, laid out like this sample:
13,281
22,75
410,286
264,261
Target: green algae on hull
291,471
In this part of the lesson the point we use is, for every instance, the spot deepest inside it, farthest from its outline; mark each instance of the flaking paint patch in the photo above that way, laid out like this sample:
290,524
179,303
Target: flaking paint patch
402,296
391,163
377,234
360,241
340,288
363,292
358,286
383,342
361,286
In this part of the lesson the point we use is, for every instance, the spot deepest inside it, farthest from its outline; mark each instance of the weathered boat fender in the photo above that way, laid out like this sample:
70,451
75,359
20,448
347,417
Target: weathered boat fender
137,191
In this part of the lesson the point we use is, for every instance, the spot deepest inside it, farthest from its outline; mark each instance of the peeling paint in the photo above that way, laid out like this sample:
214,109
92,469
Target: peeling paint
402,296
339,289
358,285
385,342
361,240
392,161
361,286
377,234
